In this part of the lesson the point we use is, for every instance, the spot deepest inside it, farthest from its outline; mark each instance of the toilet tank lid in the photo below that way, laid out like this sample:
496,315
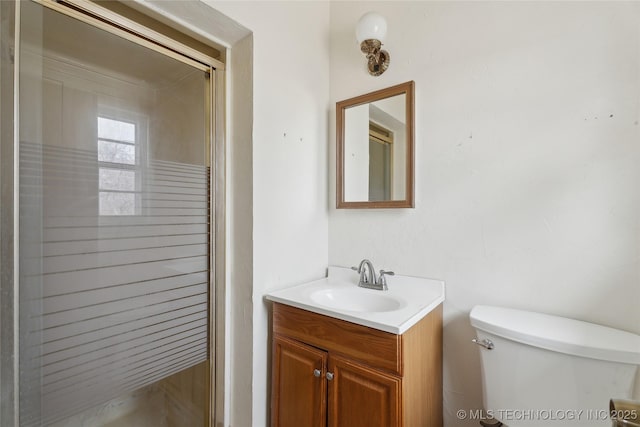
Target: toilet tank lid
559,334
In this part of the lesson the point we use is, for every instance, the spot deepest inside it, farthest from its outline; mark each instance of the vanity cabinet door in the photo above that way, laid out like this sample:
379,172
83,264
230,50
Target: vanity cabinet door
359,396
298,385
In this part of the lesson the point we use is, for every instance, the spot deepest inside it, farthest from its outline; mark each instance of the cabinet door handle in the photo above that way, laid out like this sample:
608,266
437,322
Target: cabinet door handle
316,372
329,376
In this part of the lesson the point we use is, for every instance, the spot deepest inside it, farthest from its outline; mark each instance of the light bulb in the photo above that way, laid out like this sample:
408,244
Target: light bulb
371,26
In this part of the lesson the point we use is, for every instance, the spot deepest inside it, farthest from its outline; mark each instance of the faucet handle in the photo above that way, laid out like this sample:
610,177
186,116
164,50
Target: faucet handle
382,280
355,269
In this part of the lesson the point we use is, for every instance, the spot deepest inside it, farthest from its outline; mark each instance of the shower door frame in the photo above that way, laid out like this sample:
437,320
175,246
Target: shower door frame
97,16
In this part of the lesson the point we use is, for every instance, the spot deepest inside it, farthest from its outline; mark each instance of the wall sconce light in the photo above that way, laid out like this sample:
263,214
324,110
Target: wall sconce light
370,32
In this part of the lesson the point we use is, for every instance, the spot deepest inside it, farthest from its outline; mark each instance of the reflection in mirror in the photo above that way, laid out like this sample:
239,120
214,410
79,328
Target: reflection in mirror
375,146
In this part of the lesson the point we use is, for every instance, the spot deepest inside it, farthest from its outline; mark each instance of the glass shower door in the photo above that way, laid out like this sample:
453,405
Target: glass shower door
114,228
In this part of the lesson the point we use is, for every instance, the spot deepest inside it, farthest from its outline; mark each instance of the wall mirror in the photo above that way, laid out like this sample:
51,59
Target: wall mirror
374,134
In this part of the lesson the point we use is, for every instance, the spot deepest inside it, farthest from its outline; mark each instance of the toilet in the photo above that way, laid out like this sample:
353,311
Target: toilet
540,370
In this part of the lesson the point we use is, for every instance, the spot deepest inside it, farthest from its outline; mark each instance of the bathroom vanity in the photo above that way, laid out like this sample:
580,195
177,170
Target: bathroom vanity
348,356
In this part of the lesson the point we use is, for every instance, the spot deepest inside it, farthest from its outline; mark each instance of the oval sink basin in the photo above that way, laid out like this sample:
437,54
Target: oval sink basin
356,300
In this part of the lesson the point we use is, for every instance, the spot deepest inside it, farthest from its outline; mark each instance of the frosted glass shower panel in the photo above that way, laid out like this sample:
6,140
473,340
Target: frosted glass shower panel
114,217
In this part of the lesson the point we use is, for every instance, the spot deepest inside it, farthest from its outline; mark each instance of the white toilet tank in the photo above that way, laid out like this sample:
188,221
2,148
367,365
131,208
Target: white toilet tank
552,371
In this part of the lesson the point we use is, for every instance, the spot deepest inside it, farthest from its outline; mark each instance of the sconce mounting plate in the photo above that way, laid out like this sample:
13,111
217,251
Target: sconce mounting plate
377,59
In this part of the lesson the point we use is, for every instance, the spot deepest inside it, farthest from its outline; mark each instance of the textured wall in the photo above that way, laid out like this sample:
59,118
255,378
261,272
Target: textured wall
289,166
527,162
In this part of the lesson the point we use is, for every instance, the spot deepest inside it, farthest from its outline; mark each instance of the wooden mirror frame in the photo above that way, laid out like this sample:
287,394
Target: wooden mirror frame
408,202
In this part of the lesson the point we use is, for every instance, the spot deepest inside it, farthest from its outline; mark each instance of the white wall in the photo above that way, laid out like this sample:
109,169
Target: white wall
527,162
356,153
290,166
239,306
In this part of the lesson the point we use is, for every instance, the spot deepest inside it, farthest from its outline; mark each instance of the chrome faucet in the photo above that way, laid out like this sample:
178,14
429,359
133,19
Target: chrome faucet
368,276
366,279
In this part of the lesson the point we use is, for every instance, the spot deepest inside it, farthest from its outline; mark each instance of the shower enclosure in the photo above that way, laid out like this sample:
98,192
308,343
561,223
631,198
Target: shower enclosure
108,212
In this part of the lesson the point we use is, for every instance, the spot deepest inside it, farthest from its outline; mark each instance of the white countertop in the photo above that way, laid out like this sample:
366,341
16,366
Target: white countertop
411,299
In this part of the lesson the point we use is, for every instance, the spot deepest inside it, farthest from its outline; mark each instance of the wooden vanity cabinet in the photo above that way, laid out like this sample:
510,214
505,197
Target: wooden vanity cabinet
362,396
299,378
329,372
